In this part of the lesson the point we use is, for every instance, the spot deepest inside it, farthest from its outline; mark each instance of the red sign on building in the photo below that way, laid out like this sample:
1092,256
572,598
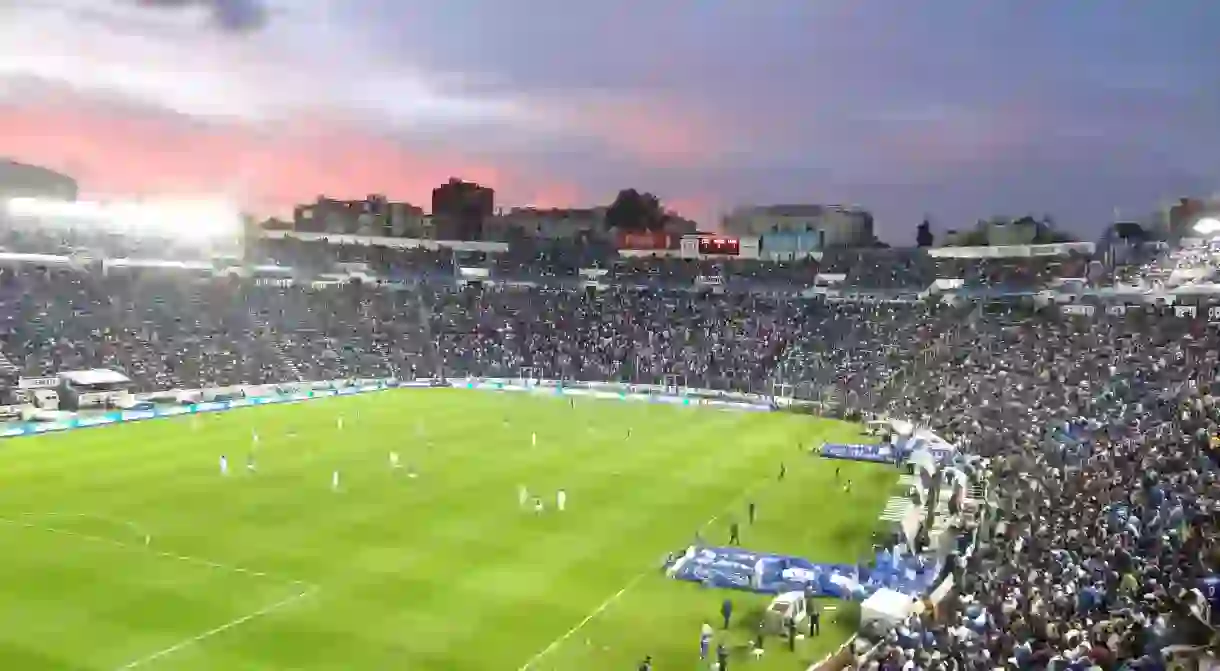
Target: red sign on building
649,240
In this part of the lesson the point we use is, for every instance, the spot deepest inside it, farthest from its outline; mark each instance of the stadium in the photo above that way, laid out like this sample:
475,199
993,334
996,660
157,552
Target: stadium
19,180
310,451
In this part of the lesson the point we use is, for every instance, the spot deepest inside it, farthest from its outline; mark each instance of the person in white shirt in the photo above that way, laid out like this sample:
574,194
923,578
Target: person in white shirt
561,500
334,481
224,465
523,496
394,461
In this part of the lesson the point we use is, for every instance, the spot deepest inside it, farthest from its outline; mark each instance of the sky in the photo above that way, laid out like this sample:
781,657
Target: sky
954,109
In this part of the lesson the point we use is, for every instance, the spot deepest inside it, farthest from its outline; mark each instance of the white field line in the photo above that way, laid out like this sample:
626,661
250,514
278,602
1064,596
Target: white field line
601,608
306,589
187,642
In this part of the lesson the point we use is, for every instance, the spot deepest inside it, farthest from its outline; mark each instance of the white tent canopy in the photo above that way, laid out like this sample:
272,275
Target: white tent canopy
886,607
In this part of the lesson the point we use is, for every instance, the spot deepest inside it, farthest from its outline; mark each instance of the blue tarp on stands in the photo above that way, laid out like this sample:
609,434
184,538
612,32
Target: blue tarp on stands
874,453
736,568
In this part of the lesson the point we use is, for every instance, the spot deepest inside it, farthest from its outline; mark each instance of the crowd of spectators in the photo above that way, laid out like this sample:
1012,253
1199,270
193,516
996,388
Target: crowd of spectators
1101,435
1100,432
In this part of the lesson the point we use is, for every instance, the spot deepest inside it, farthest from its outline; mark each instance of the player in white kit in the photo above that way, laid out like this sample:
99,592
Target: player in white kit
224,465
533,440
339,423
561,500
334,481
538,504
394,461
523,496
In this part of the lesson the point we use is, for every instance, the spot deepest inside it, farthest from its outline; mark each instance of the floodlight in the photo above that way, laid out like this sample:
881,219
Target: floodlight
1208,226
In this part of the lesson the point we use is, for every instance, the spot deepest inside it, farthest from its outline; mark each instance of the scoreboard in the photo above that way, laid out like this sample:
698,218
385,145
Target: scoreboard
719,246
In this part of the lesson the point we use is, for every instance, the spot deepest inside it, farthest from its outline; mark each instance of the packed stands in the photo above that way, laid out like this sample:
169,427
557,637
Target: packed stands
1098,424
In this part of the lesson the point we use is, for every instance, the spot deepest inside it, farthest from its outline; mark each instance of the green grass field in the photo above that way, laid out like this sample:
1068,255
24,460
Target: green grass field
124,548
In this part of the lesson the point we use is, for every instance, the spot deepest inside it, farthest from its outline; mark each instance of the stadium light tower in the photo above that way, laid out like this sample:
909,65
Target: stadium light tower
1208,226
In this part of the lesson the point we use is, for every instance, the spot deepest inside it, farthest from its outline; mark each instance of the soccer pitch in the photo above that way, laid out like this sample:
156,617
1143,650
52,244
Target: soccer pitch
124,547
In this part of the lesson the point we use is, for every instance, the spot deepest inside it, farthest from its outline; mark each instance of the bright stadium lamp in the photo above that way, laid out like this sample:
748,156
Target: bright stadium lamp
1207,226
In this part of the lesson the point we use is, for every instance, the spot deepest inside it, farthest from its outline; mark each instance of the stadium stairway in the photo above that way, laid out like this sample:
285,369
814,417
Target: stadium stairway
286,361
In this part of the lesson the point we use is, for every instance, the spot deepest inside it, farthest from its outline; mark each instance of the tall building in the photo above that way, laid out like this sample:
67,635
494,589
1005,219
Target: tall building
459,209
1181,216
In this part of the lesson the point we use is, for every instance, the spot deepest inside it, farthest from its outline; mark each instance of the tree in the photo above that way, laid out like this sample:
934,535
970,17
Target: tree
1046,231
975,238
923,234
636,211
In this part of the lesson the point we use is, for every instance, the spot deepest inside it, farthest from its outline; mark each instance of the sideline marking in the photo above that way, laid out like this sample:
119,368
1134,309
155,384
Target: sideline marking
745,493
307,589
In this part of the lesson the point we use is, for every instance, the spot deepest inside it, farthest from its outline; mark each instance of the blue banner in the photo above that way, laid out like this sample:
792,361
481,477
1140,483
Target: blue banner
882,454
735,568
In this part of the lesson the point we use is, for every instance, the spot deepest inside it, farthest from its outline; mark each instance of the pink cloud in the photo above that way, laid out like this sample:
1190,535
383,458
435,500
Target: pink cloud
115,152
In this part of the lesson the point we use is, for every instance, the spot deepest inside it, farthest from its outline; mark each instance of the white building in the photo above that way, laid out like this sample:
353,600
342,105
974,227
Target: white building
833,225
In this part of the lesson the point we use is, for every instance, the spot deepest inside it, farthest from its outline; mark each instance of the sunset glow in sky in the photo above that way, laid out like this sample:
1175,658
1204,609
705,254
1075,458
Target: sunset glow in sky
956,108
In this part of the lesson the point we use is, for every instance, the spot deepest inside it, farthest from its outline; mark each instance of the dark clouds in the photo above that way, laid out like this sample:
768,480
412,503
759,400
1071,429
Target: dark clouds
231,15
957,108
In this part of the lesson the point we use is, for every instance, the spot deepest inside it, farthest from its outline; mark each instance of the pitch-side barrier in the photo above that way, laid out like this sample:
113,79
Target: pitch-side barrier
254,396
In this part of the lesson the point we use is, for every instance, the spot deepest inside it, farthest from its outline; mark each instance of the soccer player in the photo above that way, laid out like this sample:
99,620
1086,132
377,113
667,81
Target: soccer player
533,440
254,437
750,509
334,481
224,465
538,504
394,461
847,487
250,462
561,500
705,640
523,496
339,423
783,470
734,534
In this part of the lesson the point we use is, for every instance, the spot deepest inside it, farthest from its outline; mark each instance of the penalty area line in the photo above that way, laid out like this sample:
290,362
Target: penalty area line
193,640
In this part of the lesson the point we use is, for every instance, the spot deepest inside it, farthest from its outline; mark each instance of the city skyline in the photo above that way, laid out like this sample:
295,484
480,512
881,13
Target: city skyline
957,109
